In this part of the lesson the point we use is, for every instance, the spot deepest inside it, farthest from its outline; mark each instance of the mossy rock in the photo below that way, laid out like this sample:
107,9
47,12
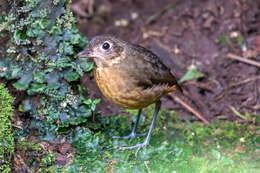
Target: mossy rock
40,60
6,134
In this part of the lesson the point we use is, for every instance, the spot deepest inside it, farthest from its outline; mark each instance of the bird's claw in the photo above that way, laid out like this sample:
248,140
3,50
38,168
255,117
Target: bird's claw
137,147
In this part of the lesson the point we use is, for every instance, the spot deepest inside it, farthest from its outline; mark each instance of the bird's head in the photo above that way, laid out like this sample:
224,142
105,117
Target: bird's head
105,49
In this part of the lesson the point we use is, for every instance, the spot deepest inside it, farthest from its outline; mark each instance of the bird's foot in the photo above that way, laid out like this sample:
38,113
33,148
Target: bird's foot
137,147
131,136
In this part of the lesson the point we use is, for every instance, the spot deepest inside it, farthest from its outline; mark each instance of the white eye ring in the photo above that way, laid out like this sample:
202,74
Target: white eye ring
106,46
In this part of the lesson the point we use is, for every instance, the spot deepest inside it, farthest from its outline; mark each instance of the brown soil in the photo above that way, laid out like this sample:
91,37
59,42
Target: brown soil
184,33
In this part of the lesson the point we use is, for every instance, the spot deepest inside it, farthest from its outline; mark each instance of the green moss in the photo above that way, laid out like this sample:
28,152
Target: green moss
6,134
41,58
48,159
175,146
27,146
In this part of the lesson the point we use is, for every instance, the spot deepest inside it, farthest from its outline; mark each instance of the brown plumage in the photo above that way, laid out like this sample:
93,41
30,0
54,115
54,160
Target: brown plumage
129,75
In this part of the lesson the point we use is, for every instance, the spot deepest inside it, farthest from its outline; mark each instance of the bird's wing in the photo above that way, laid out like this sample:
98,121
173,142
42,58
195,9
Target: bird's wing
153,71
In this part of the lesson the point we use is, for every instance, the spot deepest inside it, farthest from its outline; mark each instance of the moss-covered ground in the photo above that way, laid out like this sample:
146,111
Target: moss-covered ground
6,132
176,147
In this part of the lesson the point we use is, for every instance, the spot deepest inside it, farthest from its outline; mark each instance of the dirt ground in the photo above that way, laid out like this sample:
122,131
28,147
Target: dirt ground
199,32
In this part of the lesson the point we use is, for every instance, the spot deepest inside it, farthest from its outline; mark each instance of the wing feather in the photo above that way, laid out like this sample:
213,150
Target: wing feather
154,72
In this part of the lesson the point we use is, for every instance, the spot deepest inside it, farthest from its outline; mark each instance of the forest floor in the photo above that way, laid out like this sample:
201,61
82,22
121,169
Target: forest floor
203,34
206,34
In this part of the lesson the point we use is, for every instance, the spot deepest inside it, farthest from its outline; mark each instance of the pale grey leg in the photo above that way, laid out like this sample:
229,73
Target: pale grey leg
148,137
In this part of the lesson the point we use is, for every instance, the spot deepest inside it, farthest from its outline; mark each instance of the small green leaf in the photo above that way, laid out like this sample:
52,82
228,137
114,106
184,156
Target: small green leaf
91,104
83,42
67,49
38,87
192,73
223,40
40,77
71,76
20,86
87,102
75,39
24,82
63,62
19,36
96,101
16,71
30,32
85,65
48,159
40,24
55,30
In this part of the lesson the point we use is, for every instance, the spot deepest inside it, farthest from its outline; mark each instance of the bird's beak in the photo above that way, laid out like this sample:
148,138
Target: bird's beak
85,53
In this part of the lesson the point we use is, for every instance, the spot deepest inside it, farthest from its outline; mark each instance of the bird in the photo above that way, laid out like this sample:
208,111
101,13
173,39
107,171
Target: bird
130,76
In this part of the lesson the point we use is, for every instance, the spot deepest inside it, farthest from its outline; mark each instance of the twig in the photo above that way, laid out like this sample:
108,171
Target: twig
244,81
244,117
248,61
219,96
157,15
17,126
222,117
196,113
146,165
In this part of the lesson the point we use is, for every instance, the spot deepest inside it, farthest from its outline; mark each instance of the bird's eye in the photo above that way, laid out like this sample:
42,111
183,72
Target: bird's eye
106,46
